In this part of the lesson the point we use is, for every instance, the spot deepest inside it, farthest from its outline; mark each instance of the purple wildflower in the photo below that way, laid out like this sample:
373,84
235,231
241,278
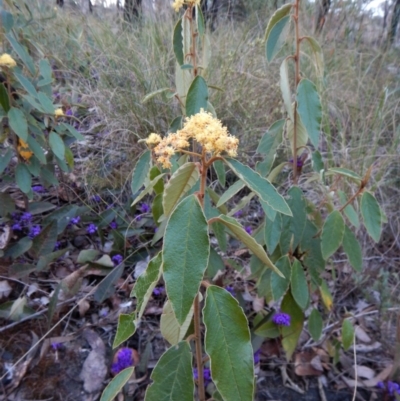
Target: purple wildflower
76,220
57,245
257,356
281,319
239,213
138,218
96,198
230,289
91,229
381,385
206,375
34,231
69,112
26,216
17,227
113,225
38,189
56,346
299,162
393,387
15,216
248,230
124,360
145,208
117,259
158,291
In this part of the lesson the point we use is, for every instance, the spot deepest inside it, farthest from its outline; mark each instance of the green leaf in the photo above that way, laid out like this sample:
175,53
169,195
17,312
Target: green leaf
276,31
349,210
4,100
7,20
170,329
318,55
280,284
173,376
215,264
37,149
148,189
332,234
326,295
106,287
18,123
267,330
44,261
5,159
261,186
159,187
44,243
301,135
285,88
317,162
180,183
219,168
22,53
87,255
76,134
272,232
240,233
126,328
154,93
201,26
57,145
299,285
140,172
315,324
291,334
371,214
23,178
18,249
347,334
26,84
157,208
352,248
186,251
280,13
45,69
309,109
346,173
7,204
116,384
227,343
197,96
146,283
46,102
230,192
178,42
269,212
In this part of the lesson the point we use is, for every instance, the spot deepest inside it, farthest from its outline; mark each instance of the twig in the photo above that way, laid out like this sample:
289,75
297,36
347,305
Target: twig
34,315
355,367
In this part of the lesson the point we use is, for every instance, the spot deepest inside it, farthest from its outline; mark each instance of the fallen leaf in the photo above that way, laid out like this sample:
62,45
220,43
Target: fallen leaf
5,236
362,335
83,307
380,377
5,289
365,372
368,348
94,369
303,366
141,267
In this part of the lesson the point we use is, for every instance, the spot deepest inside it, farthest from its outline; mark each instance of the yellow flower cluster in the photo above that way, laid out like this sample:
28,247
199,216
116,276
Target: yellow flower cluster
59,113
178,4
204,129
7,61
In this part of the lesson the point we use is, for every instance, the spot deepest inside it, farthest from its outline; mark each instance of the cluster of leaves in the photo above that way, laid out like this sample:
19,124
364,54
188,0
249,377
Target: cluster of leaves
291,249
30,122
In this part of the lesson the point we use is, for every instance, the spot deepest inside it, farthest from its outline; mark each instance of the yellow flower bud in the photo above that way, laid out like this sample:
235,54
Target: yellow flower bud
59,113
7,61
